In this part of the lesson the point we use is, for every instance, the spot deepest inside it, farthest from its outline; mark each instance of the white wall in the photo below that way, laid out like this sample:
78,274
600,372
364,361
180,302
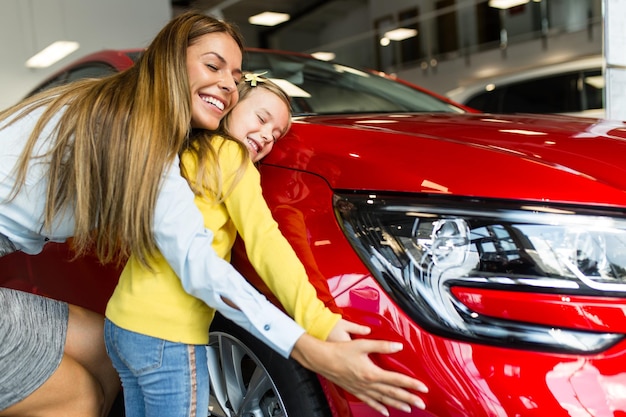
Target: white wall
95,24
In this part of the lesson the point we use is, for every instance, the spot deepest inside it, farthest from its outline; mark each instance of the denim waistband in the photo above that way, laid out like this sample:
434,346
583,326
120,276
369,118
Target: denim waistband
6,246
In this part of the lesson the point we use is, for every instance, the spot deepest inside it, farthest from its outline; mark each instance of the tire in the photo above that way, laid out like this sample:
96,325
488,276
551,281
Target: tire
248,379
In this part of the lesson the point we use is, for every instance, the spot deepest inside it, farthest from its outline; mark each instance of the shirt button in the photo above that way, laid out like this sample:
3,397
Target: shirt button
266,327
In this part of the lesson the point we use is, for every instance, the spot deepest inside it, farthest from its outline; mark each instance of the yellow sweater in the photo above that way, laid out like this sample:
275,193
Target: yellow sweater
154,302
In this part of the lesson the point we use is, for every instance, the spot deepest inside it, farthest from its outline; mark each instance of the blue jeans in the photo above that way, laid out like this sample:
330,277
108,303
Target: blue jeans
159,378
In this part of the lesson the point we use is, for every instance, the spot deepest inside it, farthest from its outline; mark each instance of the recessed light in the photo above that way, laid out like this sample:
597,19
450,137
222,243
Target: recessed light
51,54
506,4
400,34
268,18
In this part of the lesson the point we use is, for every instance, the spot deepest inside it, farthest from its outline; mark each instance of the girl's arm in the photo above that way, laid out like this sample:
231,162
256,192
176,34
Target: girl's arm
269,251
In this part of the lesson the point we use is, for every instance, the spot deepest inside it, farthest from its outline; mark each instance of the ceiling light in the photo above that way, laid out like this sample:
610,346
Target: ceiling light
400,34
51,54
324,56
506,4
268,18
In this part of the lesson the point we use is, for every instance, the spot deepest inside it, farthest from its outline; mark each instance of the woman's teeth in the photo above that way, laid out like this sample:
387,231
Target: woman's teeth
211,100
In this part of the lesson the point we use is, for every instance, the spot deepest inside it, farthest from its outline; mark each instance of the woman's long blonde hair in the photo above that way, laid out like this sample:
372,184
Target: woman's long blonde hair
115,138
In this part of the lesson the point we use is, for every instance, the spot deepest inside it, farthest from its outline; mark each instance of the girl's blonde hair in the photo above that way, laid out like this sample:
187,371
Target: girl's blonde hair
208,175
114,140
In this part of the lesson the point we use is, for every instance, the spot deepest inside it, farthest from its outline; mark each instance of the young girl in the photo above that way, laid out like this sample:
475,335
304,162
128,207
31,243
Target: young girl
261,117
150,307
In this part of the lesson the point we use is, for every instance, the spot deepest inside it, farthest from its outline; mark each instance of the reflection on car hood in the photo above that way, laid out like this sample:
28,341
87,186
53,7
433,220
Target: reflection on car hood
541,158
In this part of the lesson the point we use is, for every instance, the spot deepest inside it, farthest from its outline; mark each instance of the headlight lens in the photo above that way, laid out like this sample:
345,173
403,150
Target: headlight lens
418,250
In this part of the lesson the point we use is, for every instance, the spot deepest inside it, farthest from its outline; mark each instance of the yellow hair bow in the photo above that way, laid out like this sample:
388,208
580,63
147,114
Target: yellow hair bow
253,79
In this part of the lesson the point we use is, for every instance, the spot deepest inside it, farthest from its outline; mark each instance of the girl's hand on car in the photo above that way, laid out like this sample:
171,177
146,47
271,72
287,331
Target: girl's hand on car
348,365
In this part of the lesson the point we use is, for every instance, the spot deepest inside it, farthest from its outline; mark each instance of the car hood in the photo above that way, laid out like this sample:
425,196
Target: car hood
531,157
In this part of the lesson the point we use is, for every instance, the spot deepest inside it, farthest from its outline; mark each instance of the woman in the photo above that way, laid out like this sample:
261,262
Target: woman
97,160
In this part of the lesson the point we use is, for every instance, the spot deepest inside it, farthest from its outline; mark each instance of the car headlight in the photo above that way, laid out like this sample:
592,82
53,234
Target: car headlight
420,249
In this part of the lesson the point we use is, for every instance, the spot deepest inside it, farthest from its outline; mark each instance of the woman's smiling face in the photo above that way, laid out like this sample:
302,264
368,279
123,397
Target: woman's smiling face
214,70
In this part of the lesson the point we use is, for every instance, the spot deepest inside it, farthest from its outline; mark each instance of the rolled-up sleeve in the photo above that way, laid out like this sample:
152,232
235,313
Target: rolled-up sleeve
186,244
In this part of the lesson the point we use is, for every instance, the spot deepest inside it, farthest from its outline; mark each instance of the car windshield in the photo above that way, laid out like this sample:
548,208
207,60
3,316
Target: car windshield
320,87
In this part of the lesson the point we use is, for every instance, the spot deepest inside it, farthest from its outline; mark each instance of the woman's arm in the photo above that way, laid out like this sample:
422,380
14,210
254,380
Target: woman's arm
186,245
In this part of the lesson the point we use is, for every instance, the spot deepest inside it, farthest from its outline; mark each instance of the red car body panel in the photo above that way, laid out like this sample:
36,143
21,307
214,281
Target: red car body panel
600,314
521,158
418,155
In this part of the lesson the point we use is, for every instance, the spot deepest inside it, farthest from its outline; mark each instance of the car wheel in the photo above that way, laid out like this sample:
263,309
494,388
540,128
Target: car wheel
248,379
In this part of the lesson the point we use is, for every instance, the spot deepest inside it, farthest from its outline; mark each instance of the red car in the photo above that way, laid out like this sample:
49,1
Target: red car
493,247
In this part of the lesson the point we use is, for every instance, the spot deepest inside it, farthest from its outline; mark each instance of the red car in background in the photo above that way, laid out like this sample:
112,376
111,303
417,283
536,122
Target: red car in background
493,247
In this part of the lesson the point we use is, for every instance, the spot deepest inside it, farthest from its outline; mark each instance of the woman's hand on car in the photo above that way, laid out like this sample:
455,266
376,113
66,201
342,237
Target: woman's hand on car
344,329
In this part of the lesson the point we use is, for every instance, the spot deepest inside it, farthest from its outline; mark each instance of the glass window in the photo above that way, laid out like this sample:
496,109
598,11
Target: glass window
489,101
60,79
558,94
93,70
319,87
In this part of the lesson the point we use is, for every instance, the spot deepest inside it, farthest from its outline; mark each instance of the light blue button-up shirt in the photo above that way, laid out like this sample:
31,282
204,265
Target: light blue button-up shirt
178,228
